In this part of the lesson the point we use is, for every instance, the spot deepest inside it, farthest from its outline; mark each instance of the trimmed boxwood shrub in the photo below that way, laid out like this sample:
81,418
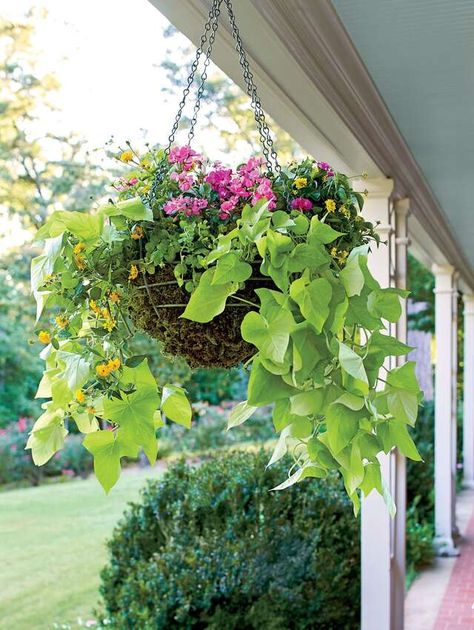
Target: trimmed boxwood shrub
211,547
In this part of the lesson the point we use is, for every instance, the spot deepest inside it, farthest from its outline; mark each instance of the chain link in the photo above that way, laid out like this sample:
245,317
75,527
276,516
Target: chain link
205,48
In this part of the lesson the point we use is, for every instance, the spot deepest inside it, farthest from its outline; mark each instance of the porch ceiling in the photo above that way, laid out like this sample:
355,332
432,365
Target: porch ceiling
421,57
393,98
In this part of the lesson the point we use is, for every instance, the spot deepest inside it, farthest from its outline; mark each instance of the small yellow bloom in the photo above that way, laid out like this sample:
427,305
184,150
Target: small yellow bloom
330,205
80,396
109,324
146,189
145,164
334,252
137,233
300,182
80,247
105,313
44,336
94,307
126,156
133,273
114,296
345,211
90,410
61,321
341,258
102,370
80,262
114,364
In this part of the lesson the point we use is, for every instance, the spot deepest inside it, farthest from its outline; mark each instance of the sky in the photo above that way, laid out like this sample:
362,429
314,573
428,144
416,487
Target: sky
105,54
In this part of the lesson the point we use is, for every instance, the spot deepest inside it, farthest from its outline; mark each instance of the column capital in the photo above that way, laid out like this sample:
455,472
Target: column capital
402,207
379,187
442,270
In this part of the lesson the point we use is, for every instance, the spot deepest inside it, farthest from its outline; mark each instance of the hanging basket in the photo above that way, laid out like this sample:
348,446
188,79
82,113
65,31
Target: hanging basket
156,309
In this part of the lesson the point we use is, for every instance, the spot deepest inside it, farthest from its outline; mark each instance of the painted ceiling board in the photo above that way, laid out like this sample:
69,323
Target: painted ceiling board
420,55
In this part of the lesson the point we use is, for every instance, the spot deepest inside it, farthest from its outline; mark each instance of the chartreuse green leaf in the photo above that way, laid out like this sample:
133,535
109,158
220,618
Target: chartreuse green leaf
107,448
308,256
133,208
299,475
240,413
385,303
372,479
394,433
134,413
403,393
282,416
208,300
352,277
230,268
313,300
308,403
322,232
389,346
342,425
86,227
278,246
265,388
354,377
270,337
47,436
75,369
176,406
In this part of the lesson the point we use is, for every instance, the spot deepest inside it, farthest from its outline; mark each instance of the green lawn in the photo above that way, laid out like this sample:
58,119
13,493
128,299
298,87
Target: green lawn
52,549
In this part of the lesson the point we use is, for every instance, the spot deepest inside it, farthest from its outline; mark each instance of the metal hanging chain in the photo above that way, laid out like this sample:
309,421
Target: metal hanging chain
210,26
207,61
264,132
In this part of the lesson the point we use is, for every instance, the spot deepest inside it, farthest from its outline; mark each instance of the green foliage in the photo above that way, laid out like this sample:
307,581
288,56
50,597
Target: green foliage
246,558
421,285
20,367
17,466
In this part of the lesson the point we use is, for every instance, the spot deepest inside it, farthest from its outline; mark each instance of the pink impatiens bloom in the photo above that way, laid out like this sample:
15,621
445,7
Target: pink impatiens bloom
264,191
197,206
227,207
326,167
301,203
175,205
184,180
185,156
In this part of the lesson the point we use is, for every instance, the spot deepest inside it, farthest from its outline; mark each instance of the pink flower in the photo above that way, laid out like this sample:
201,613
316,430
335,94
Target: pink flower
264,191
250,172
132,181
219,178
177,204
227,207
185,156
68,472
22,424
184,180
301,203
198,205
236,187
326,167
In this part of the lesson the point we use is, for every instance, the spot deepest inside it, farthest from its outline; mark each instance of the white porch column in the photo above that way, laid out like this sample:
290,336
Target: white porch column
402,210
468,422
377,528
444,409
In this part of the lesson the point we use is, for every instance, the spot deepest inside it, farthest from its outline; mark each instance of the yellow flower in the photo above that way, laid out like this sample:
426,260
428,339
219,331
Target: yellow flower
341,258
80,262
90,410
114,364
62,321
44,336
80,247
300,182
330,205
102,370
105,313
133,272
109,324
145,163
146,189
126,156
137,233
80,396
114,296
94,307
345,211
334,252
